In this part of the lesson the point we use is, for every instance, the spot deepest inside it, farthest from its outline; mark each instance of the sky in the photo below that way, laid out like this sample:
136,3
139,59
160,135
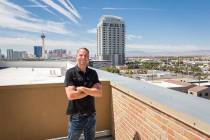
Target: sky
152,26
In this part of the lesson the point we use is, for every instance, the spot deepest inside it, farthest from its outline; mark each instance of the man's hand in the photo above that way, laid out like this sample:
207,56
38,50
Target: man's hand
95,91
73,93
80,89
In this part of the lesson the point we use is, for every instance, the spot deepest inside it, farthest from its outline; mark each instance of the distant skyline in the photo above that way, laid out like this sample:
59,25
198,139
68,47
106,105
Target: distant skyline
152,26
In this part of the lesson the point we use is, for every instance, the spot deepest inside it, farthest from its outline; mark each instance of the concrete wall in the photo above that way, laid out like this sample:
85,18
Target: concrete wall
37,112
138,118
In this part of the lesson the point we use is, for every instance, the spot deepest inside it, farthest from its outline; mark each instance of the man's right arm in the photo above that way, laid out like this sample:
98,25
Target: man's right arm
73,94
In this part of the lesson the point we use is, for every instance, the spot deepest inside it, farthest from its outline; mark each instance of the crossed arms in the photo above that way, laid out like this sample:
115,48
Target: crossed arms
74,93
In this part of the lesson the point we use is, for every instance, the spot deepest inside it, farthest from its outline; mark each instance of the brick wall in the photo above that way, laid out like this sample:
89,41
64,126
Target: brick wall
135,120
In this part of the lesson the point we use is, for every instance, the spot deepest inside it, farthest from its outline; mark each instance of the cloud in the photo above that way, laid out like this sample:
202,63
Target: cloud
89,8
10,9
29,42
164,47
45,7
71,8
123,8
92,31
69,11
35,6
17,18
133,37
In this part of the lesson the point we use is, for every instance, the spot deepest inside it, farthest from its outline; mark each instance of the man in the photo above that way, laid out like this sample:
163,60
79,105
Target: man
82,85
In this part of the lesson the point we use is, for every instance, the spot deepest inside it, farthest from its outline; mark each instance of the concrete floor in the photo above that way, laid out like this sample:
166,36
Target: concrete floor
103,138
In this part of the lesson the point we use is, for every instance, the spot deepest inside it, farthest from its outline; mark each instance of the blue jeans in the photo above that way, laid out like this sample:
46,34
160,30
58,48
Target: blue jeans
79,123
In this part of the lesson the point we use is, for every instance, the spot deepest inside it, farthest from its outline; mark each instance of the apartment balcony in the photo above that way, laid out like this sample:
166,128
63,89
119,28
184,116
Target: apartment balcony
128,110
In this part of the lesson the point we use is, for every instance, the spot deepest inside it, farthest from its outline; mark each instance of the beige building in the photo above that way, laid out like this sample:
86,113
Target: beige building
200,91
184,86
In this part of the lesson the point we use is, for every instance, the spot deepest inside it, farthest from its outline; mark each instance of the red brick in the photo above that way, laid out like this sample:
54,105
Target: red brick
131,115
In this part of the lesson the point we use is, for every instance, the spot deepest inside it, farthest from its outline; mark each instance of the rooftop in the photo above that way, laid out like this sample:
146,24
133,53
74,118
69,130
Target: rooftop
190,105
167,97
198,88
178,82
33,72
188,110
164,84
27,76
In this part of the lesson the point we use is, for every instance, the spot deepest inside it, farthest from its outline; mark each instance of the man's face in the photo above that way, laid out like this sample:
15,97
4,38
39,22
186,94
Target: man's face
82,57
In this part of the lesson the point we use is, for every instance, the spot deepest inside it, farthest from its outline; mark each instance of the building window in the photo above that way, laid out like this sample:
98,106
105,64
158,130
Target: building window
199,94
206,94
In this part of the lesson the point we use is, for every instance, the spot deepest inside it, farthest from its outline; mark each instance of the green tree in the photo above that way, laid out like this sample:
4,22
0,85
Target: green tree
111,69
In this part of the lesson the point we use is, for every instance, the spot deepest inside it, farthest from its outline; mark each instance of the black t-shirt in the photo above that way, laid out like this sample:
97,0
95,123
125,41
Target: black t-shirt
76,77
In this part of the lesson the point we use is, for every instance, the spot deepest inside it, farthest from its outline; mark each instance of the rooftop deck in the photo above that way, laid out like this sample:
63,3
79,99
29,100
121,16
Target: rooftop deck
128,108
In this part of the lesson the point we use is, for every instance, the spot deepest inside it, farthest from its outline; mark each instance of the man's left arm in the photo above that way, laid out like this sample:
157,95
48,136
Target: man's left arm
95,91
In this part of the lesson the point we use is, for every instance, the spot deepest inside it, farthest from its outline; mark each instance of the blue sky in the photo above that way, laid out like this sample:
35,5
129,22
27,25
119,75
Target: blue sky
152,26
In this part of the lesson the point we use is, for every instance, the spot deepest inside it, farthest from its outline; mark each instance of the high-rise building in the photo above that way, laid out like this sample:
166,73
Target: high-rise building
0,55
57,53
38,51
9,54
111,39
44,51
17,55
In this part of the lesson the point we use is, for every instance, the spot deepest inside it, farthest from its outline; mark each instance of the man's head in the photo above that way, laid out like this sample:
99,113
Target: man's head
82,57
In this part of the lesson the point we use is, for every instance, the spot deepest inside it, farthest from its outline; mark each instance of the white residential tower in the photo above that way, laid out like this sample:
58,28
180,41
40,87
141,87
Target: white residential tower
111,39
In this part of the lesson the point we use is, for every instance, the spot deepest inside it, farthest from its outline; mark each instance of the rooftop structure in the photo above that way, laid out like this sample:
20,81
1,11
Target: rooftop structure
198,88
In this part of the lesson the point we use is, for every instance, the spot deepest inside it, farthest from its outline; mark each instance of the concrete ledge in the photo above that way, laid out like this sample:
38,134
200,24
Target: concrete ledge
180,116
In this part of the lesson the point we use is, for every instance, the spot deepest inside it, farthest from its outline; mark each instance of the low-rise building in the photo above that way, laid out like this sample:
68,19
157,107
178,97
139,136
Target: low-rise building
98,64
200,91
183,85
